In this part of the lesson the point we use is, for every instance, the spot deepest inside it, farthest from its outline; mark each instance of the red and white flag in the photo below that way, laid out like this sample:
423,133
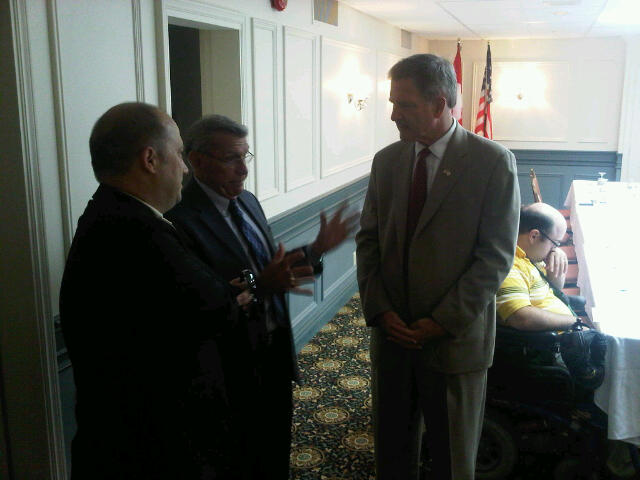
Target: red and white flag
484,125
457,66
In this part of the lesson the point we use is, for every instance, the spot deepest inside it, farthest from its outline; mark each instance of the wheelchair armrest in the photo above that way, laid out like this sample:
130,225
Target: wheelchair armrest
511,336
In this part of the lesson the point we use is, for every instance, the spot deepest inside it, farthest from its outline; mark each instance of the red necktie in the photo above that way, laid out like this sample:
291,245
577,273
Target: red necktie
418,194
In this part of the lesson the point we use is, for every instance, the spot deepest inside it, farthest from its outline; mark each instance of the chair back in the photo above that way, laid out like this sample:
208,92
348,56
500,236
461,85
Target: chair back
537,197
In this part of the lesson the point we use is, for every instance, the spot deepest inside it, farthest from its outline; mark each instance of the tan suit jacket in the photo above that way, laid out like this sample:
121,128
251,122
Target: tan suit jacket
462,248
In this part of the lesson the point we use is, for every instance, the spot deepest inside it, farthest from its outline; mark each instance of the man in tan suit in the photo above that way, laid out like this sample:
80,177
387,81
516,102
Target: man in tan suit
438,234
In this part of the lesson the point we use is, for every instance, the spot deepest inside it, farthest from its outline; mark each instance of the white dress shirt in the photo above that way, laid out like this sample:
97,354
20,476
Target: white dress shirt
434,158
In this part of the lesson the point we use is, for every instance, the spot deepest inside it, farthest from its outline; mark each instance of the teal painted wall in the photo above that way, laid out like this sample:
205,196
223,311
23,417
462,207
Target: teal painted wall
556,169
337,283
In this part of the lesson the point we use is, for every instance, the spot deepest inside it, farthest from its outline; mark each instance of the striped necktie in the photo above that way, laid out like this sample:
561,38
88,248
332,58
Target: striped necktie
259,253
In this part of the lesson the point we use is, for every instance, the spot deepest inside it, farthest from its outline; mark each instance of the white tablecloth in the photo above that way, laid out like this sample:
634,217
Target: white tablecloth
606,234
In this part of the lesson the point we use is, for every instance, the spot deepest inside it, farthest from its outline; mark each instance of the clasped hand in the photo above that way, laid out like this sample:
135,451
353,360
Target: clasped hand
412,336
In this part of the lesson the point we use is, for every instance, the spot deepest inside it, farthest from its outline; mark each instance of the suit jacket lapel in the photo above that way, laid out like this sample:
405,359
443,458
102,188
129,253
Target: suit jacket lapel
401,186
452,167
212,218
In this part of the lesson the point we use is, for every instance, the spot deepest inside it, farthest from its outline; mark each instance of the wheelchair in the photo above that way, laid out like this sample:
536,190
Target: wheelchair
535,408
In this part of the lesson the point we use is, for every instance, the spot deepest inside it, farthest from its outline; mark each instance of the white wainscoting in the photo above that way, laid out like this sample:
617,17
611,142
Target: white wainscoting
301,74
105,76
265,107
386,131
530,100
347,133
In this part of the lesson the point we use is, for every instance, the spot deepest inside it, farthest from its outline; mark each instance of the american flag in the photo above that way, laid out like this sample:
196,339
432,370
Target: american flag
484,125
457,65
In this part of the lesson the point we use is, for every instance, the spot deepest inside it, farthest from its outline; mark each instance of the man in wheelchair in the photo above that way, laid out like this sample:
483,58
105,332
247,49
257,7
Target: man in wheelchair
540,388
530,297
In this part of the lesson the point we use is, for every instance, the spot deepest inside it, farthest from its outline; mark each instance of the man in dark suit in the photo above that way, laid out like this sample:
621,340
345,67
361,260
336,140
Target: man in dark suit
228,229
141,317
429,266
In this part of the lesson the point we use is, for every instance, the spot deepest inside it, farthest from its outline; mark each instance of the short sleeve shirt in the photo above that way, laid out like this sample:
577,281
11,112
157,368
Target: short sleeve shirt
524,286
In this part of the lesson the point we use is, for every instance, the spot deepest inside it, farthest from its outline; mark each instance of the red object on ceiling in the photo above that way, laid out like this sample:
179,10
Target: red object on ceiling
279,4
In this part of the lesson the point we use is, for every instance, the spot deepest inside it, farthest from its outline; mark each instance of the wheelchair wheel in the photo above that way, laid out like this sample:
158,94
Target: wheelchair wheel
497,453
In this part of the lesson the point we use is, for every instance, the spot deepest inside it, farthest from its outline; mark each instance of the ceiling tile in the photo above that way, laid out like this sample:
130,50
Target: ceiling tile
494,18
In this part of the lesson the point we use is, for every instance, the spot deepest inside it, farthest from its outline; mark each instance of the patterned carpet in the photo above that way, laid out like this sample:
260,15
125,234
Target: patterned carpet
332,434
332,431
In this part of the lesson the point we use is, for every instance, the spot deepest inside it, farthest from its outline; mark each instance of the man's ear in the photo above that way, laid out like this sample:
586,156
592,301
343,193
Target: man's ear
148,159
439,105
534,234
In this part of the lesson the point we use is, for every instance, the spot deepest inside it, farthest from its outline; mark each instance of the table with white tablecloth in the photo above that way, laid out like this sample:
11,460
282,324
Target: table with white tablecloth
606,234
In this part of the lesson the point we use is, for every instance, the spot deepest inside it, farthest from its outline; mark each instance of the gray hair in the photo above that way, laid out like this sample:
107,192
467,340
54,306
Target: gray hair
198,137
121,133
432,75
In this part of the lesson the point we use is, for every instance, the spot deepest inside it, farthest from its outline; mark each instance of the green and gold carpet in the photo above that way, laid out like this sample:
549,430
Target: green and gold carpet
332,430
332,433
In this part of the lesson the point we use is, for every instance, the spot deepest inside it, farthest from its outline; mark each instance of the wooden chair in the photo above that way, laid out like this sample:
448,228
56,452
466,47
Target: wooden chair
537,197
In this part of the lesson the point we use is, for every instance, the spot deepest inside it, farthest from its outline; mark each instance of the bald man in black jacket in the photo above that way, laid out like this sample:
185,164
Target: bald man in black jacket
142,317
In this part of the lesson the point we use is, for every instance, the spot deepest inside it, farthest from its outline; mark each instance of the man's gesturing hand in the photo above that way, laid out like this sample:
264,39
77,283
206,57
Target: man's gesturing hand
335,231
280,276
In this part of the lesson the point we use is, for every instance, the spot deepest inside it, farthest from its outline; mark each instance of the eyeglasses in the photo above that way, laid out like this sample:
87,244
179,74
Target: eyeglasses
247,158
556,244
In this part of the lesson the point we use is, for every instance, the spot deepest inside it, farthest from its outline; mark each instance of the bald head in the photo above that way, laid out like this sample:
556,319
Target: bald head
541,228
121,133
540,216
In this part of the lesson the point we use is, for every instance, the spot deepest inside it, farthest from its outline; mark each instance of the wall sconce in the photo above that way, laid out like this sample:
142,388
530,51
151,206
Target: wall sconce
520,86
358,103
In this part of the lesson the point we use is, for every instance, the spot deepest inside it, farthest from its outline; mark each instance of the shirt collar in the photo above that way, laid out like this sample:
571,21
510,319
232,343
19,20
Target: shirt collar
221,203
439,146
154,210
520,253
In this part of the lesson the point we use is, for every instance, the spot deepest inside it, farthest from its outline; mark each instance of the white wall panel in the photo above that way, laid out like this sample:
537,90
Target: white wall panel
592,89
97,71
386,131
530,100
301,99
347,133
599,120
265,98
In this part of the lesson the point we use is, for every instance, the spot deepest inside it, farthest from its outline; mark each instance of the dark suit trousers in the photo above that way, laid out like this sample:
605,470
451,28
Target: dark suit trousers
268,409
405,393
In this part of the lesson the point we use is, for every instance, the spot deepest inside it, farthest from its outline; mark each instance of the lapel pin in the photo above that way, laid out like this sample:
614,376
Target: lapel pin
446,172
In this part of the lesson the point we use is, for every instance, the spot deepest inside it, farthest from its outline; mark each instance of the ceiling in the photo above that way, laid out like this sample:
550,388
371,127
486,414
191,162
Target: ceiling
494,19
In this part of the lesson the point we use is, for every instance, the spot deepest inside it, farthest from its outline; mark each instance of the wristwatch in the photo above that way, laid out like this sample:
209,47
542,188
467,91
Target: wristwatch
314,259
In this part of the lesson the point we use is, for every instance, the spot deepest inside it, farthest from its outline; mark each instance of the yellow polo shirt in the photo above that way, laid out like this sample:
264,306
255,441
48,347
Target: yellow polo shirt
524,286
